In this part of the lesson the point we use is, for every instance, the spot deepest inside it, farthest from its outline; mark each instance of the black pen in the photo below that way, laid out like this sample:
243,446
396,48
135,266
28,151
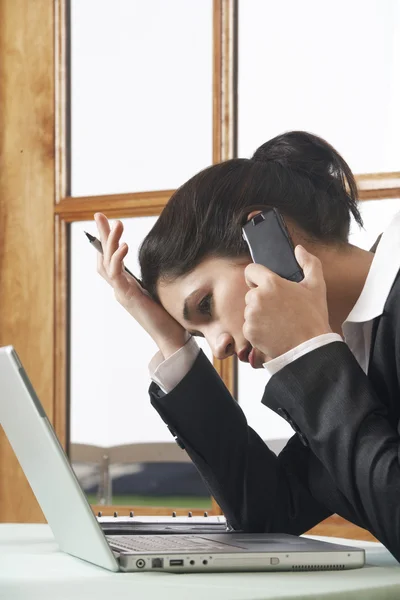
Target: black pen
97,244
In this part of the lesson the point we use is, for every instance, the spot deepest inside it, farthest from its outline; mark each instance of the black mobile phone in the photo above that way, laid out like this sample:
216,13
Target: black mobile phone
270,244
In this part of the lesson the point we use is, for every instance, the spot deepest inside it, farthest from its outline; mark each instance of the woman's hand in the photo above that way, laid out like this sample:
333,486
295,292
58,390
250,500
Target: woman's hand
167,333
281,314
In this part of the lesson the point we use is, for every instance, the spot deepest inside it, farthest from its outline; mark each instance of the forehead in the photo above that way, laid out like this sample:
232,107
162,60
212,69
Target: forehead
208,272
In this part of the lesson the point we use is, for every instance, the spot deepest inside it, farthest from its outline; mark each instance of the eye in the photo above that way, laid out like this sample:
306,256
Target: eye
204,307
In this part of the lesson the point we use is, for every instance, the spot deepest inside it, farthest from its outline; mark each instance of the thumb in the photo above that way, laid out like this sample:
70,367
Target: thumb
311,265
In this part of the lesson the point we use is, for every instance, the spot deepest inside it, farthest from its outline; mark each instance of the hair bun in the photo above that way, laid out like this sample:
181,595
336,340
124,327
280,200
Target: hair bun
311,156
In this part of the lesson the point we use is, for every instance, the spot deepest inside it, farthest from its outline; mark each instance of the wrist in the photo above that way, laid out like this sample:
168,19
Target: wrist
171,344
293,344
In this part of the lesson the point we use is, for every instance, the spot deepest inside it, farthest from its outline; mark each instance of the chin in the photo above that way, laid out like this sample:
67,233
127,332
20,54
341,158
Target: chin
259,360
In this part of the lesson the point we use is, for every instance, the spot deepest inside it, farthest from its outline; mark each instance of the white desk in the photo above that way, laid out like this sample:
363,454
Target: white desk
31,567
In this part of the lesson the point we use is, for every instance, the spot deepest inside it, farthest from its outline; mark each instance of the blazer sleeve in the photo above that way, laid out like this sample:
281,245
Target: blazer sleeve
330,401
256,490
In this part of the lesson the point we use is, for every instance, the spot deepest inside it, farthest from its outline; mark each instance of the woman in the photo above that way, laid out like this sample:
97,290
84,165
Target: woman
330,345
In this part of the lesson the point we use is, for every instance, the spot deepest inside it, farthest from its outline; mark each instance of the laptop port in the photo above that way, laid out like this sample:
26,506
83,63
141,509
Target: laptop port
157,563
176,562
140,563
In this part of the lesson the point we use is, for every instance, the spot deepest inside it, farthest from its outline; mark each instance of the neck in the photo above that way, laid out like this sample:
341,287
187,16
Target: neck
345,271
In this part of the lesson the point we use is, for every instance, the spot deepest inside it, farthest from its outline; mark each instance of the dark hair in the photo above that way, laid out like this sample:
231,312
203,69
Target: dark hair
298,173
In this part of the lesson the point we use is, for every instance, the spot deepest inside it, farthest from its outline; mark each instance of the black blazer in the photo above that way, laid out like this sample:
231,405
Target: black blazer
344,457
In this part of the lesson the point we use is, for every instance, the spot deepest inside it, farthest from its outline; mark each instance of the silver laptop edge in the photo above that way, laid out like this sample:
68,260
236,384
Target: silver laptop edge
77,531
47,468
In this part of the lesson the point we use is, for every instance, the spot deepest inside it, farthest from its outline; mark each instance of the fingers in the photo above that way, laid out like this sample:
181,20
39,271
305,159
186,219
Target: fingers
103,228
257,275
109,236
109,264
112,244
116,265
312,267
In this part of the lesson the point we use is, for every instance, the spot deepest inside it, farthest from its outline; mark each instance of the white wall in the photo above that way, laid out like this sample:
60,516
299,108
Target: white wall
328,68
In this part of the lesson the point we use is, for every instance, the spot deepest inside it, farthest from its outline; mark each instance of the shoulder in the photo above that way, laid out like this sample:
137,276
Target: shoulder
392,303
388,323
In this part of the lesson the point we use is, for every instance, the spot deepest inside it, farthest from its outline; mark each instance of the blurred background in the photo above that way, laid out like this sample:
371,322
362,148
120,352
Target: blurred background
110,105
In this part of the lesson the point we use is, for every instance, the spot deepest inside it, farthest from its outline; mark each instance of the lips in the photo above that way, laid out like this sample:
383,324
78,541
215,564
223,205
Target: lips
244,354
252,358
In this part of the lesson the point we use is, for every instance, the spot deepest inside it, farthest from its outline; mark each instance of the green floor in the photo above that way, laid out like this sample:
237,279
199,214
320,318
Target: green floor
169,501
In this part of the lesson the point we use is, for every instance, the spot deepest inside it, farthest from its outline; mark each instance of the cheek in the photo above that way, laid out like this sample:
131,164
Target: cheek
240,289
234,298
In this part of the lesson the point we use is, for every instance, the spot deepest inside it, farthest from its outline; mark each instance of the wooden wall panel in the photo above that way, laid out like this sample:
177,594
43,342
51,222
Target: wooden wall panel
26,217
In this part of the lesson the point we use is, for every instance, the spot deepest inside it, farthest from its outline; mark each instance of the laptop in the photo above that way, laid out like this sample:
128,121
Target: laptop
79,533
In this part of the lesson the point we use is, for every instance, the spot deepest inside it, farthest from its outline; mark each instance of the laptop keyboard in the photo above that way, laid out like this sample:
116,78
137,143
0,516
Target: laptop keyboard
166,543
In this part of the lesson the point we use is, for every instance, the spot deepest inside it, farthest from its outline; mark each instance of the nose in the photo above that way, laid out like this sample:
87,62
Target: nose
223,346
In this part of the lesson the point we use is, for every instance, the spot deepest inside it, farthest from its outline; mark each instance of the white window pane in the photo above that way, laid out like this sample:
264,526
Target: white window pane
376,215
110,352
141,94
333,70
